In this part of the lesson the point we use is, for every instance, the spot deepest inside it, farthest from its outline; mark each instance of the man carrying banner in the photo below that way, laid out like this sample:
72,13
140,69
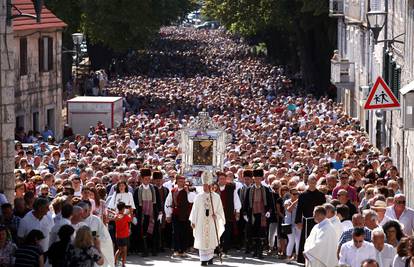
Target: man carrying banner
207,220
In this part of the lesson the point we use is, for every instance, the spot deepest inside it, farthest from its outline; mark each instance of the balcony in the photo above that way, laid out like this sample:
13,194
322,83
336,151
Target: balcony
336,8
342,73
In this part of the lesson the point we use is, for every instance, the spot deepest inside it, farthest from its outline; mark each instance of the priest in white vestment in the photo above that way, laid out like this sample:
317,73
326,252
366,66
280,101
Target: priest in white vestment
207,220
333,218
321,244
96,225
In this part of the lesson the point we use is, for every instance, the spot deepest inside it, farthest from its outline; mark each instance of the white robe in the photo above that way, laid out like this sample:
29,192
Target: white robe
205,237
95,223
320,246
336,223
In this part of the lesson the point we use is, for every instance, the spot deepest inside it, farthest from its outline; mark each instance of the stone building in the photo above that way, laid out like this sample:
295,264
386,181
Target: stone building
360,60
400,123
38,76
30,80
7,119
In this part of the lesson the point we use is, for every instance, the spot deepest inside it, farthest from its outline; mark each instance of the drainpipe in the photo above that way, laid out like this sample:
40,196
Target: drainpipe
384,69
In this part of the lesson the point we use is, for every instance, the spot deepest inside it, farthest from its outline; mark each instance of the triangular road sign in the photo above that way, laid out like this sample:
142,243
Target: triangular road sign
381,96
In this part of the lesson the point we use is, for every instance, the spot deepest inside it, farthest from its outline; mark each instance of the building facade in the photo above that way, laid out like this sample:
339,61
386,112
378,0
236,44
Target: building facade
38,73
30,80
360,60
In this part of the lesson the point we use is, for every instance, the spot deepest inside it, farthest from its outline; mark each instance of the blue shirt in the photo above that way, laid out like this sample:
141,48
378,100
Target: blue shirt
347,236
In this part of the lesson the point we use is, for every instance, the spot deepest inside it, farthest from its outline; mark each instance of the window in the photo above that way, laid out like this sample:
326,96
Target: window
23,56
45,54
36,121
51,119
19,122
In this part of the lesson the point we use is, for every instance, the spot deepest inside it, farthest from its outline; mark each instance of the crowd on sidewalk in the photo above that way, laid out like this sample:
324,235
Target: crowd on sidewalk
294,162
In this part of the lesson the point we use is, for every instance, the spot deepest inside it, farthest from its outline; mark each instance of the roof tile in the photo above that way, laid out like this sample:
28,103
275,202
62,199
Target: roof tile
48,19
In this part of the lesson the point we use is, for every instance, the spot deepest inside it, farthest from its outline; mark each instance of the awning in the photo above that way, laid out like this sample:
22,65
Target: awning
407,88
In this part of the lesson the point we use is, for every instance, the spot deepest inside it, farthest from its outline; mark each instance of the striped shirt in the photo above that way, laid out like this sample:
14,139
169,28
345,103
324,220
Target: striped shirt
28,256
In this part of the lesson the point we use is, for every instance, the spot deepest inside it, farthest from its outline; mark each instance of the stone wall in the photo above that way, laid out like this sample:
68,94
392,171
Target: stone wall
7,114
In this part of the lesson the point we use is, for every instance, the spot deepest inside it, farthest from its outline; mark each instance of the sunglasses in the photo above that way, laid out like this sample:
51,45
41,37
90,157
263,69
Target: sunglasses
400,202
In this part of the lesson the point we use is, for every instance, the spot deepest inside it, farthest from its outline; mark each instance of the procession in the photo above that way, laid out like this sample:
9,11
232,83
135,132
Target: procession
198,150
299,180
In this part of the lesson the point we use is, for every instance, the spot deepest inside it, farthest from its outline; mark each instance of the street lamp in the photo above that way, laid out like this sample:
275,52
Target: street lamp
77,41
376,21
77,38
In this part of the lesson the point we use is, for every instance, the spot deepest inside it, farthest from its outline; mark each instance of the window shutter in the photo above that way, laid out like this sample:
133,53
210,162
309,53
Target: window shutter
41,54
396,81
23,56
385,73
50,53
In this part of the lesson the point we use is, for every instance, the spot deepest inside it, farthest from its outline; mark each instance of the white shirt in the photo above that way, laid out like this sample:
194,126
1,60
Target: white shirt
168,208
385,257
399,261
169,185
236,199
127,198
384,220
30,222
132,144
55,229
354,256
238,185
406,219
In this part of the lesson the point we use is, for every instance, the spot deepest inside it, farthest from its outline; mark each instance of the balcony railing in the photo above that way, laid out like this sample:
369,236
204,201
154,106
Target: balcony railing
342,71
336,8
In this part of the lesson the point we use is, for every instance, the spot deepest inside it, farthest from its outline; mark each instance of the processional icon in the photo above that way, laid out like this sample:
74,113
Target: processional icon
203,146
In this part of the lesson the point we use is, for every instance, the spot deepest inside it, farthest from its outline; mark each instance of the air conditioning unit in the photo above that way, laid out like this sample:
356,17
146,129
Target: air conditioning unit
364,91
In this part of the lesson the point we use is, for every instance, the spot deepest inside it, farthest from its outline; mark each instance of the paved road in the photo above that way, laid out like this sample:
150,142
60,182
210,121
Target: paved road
236,259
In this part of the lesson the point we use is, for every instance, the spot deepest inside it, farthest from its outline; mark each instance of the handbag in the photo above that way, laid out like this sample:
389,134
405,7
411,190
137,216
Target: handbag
286,229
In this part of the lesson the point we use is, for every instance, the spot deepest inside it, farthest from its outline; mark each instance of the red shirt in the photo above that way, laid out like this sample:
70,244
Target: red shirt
122,226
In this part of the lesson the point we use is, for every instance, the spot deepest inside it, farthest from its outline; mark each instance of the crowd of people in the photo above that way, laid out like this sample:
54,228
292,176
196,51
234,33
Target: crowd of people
301,181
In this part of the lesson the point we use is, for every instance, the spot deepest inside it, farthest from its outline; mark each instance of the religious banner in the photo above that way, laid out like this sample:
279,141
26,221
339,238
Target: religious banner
203,145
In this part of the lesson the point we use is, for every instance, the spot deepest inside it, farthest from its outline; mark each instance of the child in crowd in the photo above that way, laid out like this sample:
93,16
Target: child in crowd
122,221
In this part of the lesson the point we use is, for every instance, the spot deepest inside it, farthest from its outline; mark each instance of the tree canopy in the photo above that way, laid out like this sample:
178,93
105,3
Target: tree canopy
298,33
122,24
116,26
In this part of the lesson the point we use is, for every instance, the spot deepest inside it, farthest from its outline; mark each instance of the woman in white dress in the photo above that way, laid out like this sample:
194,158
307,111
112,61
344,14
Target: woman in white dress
121,195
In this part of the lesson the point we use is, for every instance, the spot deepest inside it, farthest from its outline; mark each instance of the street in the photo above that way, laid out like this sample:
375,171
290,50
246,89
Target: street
236,259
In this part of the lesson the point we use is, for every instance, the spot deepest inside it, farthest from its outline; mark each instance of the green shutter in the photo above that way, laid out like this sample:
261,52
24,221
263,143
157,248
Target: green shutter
396,85
386,64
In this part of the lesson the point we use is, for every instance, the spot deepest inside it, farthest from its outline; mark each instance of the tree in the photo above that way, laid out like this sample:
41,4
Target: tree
117,26
298,33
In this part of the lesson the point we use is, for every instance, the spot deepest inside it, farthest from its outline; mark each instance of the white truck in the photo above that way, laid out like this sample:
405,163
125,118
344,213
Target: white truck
86,111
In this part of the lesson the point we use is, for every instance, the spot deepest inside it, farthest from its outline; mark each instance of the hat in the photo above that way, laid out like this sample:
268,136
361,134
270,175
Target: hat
248,173
379,205
207,178
145,172
258,173
157,175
